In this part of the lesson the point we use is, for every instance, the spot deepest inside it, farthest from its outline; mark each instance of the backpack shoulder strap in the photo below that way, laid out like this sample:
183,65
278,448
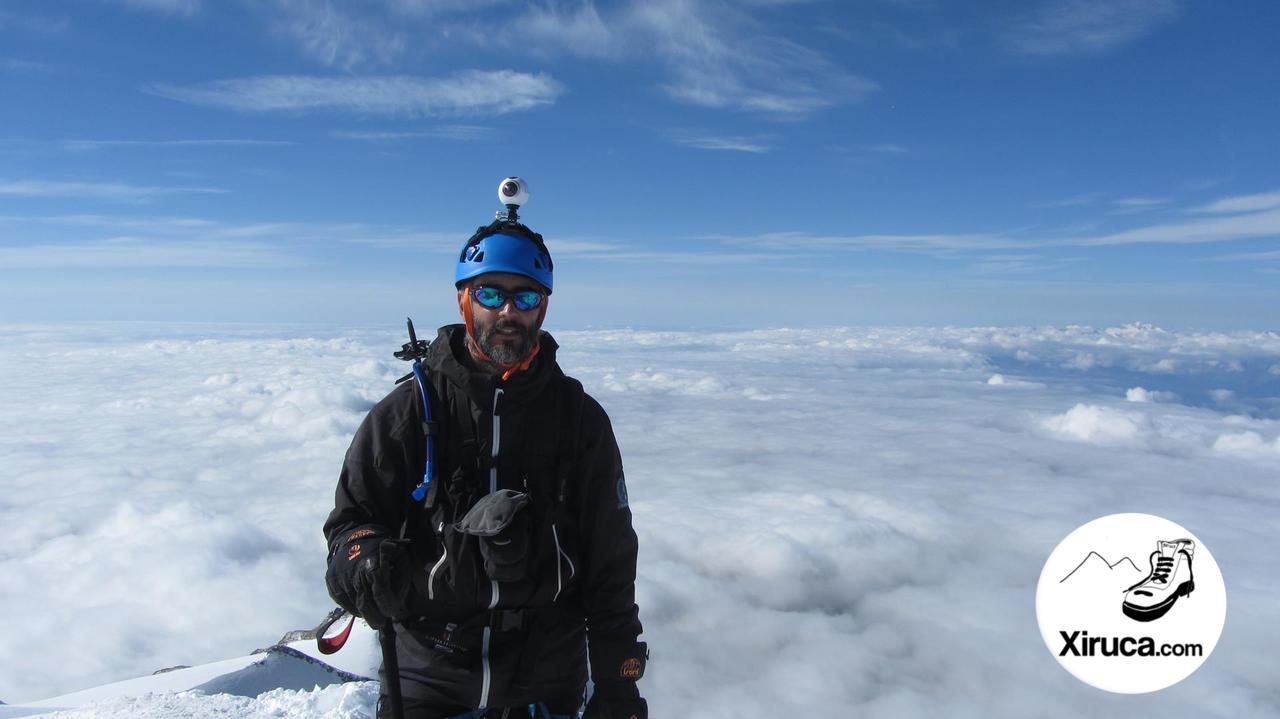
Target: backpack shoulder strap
572,399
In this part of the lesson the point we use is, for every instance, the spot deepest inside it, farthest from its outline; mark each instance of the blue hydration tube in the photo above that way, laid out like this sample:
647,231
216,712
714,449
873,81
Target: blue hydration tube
420,492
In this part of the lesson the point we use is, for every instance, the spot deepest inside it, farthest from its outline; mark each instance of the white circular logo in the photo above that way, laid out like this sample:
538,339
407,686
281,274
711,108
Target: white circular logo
1131,603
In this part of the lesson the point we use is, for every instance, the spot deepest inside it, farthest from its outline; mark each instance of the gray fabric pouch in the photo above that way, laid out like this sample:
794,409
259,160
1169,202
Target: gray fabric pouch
502,530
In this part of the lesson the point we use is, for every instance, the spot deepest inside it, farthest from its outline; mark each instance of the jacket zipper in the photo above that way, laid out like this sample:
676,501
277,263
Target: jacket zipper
493,601
431,578
493,476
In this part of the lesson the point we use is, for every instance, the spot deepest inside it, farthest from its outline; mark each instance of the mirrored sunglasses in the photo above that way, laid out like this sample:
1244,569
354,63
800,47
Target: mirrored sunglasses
495,297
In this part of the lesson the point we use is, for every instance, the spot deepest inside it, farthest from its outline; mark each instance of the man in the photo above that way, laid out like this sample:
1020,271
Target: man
513,554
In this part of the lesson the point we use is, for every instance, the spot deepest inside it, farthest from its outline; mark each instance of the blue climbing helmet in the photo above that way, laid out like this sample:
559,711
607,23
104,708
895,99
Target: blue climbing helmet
505,246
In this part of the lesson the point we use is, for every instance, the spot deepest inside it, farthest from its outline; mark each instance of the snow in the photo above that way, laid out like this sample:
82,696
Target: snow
297,666
356,700
841,517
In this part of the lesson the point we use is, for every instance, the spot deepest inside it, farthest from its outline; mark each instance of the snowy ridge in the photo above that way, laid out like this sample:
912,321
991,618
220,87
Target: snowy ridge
289,673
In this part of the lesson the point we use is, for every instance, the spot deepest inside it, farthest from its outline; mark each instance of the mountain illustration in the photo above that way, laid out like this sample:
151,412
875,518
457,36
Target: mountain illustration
1095,565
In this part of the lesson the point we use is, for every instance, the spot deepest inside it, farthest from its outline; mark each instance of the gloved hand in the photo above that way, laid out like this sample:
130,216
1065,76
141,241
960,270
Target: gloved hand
599,707
369,576
615,667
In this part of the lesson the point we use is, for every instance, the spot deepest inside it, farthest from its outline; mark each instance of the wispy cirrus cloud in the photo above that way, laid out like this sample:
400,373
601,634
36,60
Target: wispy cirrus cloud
1240,218
151,241
1267,256
1069,27
122,252
42,24
1133,205
227,142
115,241
171,7
1218,229
887,148
328,33
712,55
716,55
111,191
445,132
472,91
751,145
721,61
580,30
1073,201
1243,203
790,241
17,65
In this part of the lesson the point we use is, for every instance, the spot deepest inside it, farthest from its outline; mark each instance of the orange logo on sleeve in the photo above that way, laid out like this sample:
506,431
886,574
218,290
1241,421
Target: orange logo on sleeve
353,553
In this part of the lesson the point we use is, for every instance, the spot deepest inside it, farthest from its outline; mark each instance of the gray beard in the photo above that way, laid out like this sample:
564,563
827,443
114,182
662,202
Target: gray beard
505,354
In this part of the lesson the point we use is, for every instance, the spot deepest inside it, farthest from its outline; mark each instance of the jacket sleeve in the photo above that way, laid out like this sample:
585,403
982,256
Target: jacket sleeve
372,487
608,550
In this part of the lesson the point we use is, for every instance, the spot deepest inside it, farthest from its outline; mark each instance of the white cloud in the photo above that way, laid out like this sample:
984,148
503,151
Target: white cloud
109,241
1219,229
1248,257
887,148
224,142
713,55
472,91
326,32
1138,204
734,144
1243,224
791,240
1065,27
1244,203
173,7
1092,423
444,132
859,498
578,29
1141,394
113,191
136,252
1073,201
45,25
433,8
716,65
12,64
709,54
1246,443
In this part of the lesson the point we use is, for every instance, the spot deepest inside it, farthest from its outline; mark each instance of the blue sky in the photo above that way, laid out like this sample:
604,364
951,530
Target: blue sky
699,164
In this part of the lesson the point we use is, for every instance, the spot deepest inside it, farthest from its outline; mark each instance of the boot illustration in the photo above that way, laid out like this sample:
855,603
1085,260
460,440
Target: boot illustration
1169,579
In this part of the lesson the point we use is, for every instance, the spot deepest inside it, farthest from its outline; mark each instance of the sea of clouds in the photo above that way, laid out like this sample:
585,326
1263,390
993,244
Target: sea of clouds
831,520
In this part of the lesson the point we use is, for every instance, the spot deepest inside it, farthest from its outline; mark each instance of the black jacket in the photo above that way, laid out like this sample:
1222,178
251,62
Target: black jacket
475,641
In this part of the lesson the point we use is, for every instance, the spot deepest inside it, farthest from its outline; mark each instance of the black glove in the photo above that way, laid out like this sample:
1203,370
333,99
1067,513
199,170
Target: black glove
615,667
605,708
369,576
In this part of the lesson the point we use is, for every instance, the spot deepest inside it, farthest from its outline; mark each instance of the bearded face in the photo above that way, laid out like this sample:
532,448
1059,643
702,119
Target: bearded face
505,334
506,340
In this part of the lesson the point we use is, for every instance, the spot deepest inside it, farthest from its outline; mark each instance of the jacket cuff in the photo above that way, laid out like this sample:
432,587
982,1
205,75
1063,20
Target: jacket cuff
615,666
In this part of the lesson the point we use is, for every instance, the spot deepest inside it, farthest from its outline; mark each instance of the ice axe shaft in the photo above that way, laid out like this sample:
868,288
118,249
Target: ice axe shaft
391,668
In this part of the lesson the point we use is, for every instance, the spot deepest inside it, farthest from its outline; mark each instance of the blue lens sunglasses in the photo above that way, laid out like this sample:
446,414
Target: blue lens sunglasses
495,297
